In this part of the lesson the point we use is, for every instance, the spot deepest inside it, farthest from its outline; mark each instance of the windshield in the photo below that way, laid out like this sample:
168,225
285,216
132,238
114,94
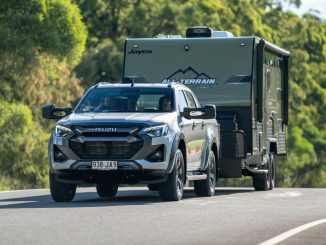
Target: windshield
129,99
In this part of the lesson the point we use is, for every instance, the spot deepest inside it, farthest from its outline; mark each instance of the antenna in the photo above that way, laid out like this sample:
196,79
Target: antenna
96,85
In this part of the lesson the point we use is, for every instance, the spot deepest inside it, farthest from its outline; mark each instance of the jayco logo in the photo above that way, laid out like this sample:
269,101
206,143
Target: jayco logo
191,77
139,52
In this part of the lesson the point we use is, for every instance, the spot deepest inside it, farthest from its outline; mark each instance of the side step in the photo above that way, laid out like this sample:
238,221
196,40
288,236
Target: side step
196,177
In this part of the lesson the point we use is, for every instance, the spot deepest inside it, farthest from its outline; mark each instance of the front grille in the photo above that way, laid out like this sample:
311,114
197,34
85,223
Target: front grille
106,134
106,149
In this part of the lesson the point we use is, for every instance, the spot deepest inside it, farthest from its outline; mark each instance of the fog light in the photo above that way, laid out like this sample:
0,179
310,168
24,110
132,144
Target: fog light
58,155
157,155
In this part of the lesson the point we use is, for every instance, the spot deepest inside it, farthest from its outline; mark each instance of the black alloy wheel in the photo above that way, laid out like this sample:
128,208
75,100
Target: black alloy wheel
172,190
61,192
206,187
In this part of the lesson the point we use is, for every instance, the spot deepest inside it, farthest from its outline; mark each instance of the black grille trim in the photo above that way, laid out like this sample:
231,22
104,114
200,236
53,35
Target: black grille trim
106,149
106,134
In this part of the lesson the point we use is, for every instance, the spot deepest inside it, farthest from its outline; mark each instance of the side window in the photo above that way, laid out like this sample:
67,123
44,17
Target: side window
182,101
190,99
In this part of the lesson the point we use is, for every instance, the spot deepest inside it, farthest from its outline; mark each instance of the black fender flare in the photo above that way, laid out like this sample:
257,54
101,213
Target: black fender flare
50,153
176,141
211,141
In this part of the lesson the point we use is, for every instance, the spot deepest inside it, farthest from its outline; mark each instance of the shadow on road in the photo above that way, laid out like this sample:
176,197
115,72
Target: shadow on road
91,199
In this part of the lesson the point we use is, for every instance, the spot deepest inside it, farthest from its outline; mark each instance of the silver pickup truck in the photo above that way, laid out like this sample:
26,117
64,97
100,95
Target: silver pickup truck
154,134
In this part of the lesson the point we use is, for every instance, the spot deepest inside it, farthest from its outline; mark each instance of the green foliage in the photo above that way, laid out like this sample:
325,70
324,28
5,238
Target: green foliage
51,81
22,156
63,32
305,38
41,40
101,64
30,27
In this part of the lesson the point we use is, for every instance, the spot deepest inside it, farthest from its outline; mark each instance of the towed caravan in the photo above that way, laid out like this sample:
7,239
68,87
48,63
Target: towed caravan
246,78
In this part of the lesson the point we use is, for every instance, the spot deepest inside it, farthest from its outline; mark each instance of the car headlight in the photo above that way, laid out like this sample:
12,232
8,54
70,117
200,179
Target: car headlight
156,131
61,131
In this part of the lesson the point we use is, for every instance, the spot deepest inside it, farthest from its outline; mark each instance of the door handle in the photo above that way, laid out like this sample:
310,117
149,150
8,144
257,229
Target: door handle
203,124
194,124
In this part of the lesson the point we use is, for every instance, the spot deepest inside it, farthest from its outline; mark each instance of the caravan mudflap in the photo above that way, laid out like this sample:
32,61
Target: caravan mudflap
230,168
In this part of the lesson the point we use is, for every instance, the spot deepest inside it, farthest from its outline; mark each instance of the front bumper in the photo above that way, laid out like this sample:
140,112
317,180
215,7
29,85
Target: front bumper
134,170
119,176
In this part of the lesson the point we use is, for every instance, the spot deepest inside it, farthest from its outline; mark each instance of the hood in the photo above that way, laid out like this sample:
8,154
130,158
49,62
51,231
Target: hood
141,118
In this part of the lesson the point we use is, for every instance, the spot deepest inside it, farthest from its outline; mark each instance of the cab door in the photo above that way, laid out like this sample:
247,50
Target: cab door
188,128
196,147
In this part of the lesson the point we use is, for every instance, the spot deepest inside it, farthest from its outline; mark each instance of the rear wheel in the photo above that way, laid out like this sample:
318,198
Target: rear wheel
261,181
107,189
172,190
272,171
207,187
61,192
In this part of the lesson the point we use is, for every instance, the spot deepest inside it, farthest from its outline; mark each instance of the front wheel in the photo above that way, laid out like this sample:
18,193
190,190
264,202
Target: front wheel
107,189
172,190
206,187
61,192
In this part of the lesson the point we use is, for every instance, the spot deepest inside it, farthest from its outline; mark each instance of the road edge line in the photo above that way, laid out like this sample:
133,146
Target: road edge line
22,190
292,232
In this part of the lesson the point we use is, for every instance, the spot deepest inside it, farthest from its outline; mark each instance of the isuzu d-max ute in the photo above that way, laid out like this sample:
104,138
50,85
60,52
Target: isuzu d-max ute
154,134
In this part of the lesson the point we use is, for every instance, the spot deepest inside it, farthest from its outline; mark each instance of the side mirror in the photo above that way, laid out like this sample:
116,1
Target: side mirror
50,111
210,112
206,112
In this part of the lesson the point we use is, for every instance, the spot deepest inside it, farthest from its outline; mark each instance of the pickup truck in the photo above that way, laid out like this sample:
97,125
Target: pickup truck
154,134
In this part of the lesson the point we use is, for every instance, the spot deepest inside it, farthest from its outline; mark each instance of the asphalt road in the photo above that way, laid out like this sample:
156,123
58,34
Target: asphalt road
137,216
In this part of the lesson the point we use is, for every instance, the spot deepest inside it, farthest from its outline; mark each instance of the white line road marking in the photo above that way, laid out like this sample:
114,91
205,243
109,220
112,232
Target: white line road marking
284,194
287,234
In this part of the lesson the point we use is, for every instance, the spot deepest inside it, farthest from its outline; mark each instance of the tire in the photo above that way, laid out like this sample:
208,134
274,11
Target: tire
153,187
172,190
272,170
61,192
107,189
206,188
261,181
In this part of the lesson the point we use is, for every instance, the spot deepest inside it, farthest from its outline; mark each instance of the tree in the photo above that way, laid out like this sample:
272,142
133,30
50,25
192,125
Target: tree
41,41
23,158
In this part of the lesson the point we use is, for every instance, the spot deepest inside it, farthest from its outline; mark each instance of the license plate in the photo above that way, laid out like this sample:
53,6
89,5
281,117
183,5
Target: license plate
104,165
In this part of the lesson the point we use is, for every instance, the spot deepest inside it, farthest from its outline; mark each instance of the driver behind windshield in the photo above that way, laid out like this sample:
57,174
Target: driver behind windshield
165,104
133,104
109,104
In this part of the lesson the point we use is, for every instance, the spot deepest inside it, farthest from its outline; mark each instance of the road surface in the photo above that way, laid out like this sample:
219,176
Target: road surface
137,216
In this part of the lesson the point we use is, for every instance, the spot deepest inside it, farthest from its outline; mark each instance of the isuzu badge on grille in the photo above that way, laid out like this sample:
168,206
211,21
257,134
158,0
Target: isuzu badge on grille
105,130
